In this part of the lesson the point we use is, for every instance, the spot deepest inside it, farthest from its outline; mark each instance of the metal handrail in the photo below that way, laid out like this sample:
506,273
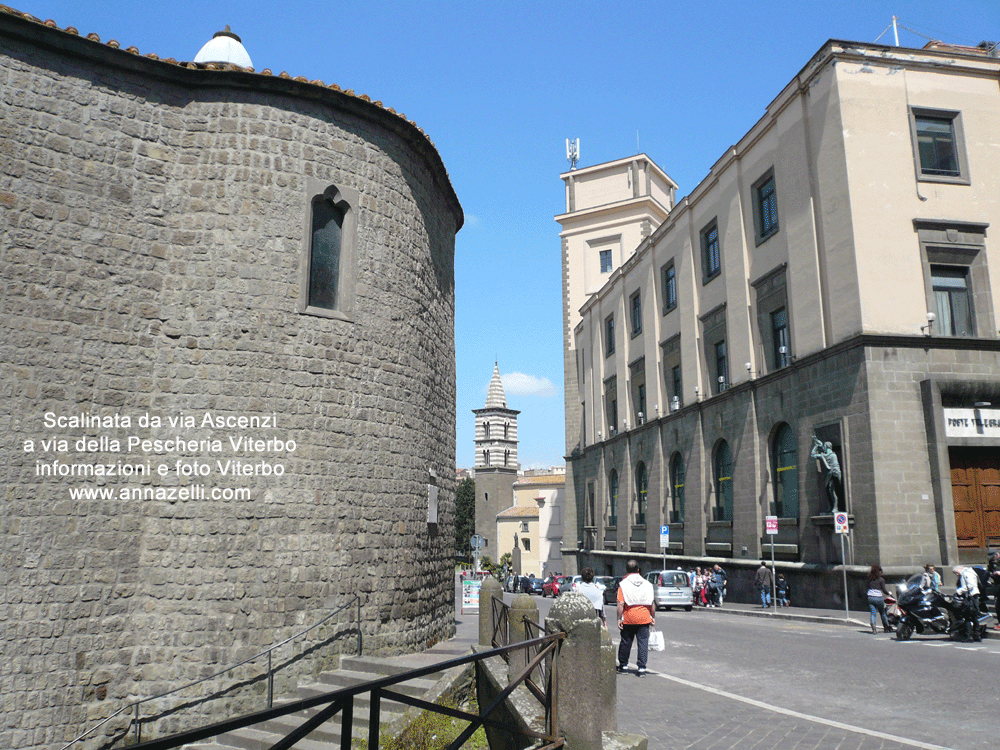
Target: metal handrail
343,700
134,705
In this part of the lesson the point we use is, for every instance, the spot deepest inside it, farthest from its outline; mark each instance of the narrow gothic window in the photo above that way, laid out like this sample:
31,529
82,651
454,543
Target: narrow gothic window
324,257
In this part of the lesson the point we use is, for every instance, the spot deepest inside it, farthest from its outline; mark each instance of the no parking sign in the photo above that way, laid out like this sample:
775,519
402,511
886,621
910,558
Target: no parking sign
840,523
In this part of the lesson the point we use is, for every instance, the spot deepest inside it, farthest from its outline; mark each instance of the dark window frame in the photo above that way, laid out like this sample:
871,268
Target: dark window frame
764,197
635,312
677,480
711,251
960,174
669,282
786,474
609,336
722,482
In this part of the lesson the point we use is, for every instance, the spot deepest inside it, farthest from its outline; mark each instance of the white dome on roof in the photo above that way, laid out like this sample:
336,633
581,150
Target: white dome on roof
224,47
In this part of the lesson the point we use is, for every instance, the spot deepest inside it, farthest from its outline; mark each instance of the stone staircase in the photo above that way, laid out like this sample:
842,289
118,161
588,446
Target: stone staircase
353,670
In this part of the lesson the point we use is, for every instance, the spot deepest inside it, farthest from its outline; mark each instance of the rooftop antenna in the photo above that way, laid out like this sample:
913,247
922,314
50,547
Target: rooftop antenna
573,152
895,30
637,149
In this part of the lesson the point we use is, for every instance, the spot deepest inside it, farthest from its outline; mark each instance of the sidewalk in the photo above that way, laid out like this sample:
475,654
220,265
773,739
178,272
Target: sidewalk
803,614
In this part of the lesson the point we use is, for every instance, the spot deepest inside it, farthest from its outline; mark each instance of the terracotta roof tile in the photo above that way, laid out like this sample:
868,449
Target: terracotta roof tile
517,511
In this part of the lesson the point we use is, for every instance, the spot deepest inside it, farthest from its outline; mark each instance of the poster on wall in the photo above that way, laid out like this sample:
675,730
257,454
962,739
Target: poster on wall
470,597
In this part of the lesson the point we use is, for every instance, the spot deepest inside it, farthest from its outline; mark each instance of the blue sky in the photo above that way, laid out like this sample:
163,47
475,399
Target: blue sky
499,86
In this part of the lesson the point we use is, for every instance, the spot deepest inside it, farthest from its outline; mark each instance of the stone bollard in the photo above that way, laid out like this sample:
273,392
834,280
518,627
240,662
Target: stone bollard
490,588
588,691
522,606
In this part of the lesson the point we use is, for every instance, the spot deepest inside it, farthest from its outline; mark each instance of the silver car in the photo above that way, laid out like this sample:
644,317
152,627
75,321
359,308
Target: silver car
671,588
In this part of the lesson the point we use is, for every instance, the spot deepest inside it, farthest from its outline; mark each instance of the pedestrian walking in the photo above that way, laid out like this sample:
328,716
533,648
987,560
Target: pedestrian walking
593,591
636,614
763,582
876,592
781,590
967,593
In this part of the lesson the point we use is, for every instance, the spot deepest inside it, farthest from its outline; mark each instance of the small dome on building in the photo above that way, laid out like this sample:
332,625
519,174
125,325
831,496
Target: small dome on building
224,47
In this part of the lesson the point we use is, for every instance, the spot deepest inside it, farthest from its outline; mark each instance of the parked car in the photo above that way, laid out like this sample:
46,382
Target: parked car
551,586
531,585
671,588
569,584
610,584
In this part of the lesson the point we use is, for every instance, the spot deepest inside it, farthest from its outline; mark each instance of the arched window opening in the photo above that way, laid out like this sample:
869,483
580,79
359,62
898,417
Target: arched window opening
786,473
723,509
641,489
677,485
613,498
324,257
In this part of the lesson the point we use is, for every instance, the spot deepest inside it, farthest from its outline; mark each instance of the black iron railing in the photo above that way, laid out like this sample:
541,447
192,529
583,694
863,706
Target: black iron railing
539,676
342,701
135,707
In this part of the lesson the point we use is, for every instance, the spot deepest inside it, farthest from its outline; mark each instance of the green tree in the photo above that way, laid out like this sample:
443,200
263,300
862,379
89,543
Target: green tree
465,515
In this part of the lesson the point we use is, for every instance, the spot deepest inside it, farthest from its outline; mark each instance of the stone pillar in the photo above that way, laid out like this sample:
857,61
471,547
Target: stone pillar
522,606
490,588
587,688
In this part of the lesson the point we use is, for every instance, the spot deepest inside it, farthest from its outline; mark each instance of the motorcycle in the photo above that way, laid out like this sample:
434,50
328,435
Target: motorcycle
925,612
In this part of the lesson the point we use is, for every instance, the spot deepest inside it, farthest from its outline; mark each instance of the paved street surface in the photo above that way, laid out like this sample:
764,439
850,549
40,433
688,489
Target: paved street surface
726,681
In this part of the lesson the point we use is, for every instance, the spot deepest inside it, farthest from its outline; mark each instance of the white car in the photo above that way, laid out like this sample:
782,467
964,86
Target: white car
671,588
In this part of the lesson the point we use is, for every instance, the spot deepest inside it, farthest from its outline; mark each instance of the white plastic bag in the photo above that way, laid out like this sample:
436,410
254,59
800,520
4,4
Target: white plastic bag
656,640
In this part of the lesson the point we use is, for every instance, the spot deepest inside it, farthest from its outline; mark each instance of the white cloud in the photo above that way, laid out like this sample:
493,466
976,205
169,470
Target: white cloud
527,385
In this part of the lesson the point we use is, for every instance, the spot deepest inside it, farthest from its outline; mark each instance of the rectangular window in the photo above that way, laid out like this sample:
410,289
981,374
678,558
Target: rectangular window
605,261
609,336
635,305
938,146
670,356
711,260
611,405
641,403
524,526
765,207
951,299
721,367
669,287
779,338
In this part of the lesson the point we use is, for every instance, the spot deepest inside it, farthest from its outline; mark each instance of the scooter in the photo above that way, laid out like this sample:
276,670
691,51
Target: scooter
925,612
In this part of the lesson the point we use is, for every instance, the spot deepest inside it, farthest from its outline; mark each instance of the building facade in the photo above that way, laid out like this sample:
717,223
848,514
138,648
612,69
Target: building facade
813,327
546,492
228,368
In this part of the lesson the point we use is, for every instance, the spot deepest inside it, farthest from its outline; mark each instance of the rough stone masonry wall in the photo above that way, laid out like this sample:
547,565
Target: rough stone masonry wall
149,249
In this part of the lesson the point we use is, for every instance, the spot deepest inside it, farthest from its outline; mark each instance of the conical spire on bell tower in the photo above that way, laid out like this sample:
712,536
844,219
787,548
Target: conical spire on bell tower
495,398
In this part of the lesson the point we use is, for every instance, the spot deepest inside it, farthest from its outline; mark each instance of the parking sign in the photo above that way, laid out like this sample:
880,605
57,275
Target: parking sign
840,523
664,537
771,524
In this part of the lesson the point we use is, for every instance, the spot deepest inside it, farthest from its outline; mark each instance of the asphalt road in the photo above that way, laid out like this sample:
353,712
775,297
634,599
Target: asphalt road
726,681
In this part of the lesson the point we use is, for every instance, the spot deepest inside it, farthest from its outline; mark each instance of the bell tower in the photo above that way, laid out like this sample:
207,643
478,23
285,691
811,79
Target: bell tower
496,462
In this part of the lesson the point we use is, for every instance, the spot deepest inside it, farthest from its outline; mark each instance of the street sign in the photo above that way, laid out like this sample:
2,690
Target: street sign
771,524
476,541
840,523
664,537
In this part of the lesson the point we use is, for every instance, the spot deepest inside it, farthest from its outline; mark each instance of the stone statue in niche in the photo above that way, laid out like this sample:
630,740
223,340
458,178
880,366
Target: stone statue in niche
823,453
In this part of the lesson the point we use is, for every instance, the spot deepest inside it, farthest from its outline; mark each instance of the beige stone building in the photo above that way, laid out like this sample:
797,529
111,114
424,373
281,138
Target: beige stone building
547,493
518,532
831,279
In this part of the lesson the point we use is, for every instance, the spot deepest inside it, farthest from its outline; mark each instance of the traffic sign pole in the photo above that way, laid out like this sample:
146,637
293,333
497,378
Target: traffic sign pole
771,526
842,527
664,543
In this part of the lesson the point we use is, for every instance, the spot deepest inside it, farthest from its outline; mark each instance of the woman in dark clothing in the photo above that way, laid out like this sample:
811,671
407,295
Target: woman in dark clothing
876,592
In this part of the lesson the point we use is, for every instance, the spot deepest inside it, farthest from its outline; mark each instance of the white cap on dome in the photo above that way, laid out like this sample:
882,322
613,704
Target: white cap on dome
224,47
